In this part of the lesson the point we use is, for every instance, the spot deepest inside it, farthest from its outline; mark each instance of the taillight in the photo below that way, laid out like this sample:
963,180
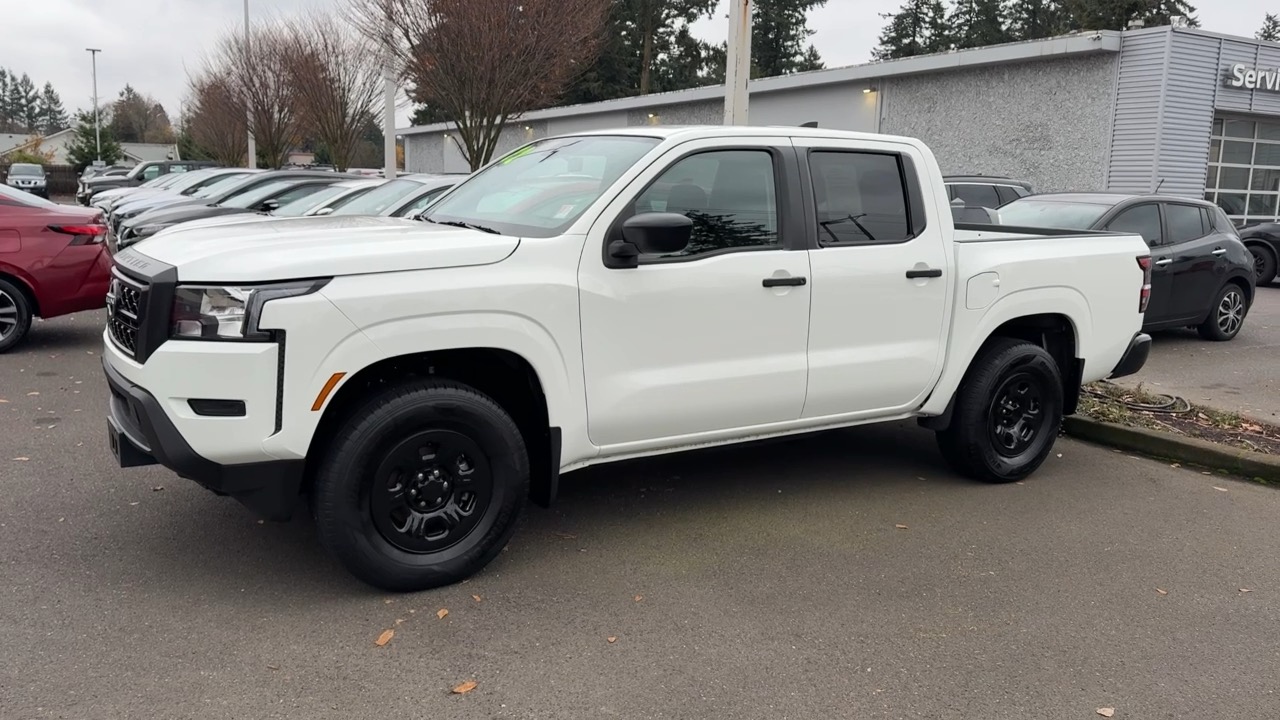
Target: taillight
82,234
1144,295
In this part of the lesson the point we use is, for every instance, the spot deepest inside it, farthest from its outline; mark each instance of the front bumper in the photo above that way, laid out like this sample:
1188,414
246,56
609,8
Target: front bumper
140,433
1134,357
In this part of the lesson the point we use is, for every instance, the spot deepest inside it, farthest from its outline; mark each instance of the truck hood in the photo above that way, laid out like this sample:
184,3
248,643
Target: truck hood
291,248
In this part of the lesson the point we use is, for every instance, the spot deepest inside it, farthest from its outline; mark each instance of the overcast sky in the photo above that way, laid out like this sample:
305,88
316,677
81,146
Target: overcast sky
152,44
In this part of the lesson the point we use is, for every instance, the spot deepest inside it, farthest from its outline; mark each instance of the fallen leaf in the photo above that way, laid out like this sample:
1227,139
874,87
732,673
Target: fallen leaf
1162,591
388,601
2,401
157,488
1106,712
21,459
30,394
412,611
1245,590
1175,465
612,639
638,598
399,620
465,688
132,504
1250,427
476,598
384,638
1220,489
565,535
900,526
442,612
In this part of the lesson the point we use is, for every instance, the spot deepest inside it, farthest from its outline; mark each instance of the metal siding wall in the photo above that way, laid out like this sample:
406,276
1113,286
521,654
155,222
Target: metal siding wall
1263,56
1267,101
1135,131
1187,119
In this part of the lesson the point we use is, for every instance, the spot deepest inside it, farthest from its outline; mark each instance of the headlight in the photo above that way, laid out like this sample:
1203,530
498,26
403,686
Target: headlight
203,312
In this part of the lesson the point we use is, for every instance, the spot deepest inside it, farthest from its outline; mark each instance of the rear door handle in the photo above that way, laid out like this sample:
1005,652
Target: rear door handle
926,273
784,281
1164,261
1219,251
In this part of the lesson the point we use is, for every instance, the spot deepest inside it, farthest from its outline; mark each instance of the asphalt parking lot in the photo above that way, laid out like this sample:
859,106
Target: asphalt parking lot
771,581
1241,376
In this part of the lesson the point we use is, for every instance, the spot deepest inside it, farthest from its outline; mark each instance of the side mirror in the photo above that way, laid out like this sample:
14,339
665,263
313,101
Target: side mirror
658,233
270,205
324,211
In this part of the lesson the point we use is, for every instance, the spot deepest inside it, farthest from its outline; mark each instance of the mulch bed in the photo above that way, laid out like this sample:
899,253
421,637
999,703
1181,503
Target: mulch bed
1139,408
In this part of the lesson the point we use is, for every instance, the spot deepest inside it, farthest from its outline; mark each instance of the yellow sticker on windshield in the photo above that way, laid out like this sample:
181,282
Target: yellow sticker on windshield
517,154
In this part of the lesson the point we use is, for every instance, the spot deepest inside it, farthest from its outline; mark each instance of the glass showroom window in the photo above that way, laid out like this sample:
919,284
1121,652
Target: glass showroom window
1244,169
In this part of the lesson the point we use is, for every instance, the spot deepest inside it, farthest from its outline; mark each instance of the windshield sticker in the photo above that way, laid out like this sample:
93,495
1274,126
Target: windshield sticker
517,155
564,211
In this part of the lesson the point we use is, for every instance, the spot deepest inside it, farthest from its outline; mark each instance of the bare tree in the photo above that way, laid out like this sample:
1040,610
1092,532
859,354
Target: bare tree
216,118
485,62
259,71
336,75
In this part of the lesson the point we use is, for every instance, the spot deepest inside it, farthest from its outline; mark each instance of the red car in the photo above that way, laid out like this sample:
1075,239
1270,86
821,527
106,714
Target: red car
53,261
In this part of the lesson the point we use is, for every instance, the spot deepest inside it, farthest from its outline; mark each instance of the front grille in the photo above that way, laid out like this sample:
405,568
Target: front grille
124,311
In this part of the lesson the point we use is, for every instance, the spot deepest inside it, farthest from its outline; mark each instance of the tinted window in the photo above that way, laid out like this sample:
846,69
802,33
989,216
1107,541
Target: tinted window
294,194
978,195
1143,220
1184,222
860,198
379,199
151,173
421,203
1008,194
28,169
728,194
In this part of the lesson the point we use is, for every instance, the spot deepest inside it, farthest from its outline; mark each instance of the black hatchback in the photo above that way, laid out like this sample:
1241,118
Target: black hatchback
1202,274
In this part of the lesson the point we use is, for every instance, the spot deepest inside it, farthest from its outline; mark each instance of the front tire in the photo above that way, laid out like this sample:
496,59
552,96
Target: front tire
15,316
422,486
1007,413
1226,317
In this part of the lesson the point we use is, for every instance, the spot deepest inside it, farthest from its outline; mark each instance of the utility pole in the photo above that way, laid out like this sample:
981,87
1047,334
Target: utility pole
737,65
97,122
248,104
389,108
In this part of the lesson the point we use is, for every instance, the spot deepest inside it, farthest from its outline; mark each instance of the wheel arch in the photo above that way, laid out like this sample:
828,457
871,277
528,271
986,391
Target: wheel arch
504,375
24,285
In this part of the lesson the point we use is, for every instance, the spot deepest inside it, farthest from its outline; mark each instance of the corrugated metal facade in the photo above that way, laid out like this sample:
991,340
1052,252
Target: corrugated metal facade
1171,84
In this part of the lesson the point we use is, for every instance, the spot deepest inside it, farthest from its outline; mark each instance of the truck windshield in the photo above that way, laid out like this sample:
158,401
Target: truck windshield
27,169
540,189
1029,212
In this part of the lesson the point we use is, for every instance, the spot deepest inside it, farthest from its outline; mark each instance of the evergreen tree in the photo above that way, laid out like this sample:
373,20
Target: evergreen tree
1270,29
53,117
6,115
978,23
83,150
918,28
1117,14
1036,19
23,102
779,36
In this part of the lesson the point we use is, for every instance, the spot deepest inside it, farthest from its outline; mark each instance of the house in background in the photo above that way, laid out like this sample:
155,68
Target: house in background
59,142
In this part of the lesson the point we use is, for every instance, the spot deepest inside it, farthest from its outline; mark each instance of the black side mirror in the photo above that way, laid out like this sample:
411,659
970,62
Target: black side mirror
651,233
270,205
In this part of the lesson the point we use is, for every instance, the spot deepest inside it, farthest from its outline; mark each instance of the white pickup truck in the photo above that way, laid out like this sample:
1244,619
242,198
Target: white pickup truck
596,297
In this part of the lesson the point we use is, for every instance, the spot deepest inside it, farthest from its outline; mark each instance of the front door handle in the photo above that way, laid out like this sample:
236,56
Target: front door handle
1219,251
1164,261
925,273
784,281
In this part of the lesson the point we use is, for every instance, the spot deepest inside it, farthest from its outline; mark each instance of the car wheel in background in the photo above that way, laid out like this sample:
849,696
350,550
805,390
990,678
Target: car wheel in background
15,315
1264,264
1226,317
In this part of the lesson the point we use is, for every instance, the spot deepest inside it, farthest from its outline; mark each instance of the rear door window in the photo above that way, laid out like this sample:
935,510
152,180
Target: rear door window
861,198
1141,219
1184,221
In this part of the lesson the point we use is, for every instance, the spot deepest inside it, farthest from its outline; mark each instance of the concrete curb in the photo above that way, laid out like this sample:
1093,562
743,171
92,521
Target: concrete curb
1168,446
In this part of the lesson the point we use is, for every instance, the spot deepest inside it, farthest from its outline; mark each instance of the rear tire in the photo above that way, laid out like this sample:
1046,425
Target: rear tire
1227,314
422,486
1007,413
15,316
1264,264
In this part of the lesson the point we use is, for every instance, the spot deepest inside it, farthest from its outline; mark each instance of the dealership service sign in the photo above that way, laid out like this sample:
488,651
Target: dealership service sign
1248,78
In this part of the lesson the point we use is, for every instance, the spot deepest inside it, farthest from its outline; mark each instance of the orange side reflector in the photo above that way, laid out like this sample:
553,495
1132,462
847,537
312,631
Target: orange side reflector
324,391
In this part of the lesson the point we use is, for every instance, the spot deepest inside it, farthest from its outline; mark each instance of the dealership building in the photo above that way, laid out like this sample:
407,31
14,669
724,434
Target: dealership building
1179,110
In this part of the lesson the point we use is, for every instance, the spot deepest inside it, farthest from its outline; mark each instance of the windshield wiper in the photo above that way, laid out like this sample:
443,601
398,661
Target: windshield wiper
459,223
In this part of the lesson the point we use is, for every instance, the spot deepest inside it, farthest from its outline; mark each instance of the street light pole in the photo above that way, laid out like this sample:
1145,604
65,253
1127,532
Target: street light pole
737,66
248,105
389,108
97,122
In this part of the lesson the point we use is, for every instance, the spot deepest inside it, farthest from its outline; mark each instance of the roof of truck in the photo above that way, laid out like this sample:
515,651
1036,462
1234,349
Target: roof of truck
695,132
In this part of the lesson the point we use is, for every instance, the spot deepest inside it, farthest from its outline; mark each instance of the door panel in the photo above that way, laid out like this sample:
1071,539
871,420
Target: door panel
1145,220
1193,272
694,342
876,337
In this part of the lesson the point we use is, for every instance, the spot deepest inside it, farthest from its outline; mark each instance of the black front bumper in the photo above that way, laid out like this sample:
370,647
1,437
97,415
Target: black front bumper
1135,357
140,434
